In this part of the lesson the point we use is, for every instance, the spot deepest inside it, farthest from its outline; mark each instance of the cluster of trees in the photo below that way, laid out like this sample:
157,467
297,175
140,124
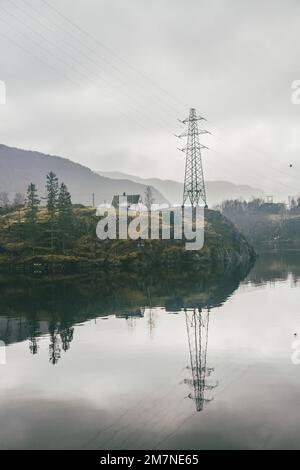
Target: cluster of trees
262,221
6,203
59,208
257,208
51,225
60,339
295,205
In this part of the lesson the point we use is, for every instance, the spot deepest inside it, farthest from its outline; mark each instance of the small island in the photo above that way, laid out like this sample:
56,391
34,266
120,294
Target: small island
61,237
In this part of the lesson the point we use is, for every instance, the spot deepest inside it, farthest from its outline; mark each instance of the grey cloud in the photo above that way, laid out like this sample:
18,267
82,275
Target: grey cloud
233,60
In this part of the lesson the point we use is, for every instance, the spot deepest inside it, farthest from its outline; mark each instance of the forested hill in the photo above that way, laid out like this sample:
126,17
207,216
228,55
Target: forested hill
266,224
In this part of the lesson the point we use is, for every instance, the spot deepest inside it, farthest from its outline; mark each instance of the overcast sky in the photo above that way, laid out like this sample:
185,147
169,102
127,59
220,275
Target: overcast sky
103,82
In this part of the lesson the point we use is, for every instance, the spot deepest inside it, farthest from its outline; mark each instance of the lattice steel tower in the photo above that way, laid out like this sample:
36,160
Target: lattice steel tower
194,185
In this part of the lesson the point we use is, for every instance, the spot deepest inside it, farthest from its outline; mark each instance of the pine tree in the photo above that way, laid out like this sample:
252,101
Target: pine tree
32,203
52,193
52,200
65,213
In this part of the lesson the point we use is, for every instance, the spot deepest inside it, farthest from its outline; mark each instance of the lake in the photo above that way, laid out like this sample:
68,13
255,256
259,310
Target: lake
156,361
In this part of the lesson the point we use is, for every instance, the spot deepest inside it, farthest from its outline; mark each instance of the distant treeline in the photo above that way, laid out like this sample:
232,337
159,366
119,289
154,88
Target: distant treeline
264,222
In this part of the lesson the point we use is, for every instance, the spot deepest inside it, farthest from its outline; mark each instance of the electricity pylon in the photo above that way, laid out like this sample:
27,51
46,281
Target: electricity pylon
194,185
197,330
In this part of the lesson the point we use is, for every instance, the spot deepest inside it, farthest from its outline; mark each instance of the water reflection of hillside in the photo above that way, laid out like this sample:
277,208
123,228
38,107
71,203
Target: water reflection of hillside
275,266
30,308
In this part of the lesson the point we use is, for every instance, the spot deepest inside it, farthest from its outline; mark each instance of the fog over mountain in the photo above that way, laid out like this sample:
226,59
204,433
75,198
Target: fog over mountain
217,191
110,96
19,167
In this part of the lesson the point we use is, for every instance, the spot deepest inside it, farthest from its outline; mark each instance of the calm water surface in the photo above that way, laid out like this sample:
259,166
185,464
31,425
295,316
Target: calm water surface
135,363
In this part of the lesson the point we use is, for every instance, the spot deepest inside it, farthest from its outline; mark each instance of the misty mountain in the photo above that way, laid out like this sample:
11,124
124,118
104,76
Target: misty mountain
19,167
217,191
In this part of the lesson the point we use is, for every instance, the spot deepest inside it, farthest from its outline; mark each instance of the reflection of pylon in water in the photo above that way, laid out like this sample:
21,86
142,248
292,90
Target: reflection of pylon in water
197,323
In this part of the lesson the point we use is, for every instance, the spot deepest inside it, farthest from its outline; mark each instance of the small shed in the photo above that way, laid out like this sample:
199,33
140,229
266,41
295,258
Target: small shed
132,199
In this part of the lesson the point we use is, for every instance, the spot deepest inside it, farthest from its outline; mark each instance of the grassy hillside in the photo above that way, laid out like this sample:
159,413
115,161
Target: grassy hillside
224,245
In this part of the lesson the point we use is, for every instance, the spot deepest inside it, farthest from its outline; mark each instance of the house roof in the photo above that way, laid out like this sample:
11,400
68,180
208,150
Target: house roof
131,199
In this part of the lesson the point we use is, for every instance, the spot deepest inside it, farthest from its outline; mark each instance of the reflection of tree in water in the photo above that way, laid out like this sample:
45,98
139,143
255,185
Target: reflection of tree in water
131,317
151,318
37,307
197,323
33,333
61,332
66,335
33,345
55,342
151,322
60,338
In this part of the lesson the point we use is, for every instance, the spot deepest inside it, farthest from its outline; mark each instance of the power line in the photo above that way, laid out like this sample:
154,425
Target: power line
97,41
57,71
96,53
244,166
91,60
36,57
84,74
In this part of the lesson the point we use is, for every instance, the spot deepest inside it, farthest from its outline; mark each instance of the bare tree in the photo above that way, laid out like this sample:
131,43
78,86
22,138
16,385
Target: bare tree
4,199
19,199
149,199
